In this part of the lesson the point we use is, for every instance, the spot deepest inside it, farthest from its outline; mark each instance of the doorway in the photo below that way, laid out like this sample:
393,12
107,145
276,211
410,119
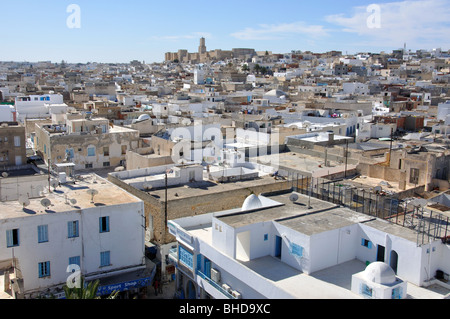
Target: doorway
380,253
190,290
393,260
278,245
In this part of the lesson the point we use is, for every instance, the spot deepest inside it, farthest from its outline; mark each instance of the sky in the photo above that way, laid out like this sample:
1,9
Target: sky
80,31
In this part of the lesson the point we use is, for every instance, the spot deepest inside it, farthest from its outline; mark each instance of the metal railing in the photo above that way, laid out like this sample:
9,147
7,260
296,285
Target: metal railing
385,205
215,285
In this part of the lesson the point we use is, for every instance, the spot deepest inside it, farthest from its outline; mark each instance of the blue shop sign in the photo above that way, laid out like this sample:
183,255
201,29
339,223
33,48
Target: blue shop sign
138,283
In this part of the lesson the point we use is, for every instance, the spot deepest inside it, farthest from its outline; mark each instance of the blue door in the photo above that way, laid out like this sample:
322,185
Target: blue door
278,243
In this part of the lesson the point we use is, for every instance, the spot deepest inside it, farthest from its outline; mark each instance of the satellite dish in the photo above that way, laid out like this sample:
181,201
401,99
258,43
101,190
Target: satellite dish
46,203
186,122
119,168
5,174
147,186
293,197
92,192
73,201
24,201
378,189
54,183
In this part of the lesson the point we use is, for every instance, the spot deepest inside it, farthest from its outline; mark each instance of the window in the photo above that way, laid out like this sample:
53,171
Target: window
414,176
88,165
186,257
106,164
70,153
42,233
91,151
105,258
296,250
72,229
366,243
12,237
366,290
106,151
266,237
124,149
75,261
44,269
16,141
104,224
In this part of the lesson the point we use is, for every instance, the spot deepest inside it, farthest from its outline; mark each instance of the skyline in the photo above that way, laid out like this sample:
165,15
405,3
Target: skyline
144,30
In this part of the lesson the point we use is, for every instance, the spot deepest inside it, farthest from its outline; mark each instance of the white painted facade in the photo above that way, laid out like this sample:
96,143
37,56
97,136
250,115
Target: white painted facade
231,250
124,239
38,106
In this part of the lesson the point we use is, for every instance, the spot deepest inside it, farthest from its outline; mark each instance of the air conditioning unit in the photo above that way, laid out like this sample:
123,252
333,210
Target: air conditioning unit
215,275
226,288
236,294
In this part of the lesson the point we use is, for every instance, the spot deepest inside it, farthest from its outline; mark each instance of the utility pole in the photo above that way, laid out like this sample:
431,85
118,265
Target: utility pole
346,157
49,177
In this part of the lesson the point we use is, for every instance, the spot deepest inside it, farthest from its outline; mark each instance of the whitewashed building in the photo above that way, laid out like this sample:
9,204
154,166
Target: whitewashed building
39,106
101,232
279,247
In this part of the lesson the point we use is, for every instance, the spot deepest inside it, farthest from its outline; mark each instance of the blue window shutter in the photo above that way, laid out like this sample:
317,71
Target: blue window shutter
369,245
362,241
107,223
105,258
99,224
199,262
42,233
208,268
75,261
9,238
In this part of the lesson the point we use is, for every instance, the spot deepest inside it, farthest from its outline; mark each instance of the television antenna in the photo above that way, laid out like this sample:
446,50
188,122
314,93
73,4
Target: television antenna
46,203
92,192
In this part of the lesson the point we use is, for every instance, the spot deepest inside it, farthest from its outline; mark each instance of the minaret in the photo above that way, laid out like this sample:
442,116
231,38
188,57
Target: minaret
202,47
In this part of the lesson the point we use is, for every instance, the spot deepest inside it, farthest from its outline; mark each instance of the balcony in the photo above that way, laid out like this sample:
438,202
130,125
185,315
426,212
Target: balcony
173,256
215,285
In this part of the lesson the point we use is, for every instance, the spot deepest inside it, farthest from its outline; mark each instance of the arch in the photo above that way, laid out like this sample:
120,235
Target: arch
393,260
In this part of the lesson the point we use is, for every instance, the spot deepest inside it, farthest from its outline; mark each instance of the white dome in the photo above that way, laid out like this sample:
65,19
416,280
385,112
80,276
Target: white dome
251,202
380,273
143,117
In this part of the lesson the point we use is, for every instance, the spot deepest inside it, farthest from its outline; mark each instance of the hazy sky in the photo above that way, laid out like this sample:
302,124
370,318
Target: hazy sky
121,31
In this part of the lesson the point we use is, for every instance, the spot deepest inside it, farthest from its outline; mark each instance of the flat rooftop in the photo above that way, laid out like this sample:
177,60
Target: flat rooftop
330,283
108,194
299,162
321,217
195,189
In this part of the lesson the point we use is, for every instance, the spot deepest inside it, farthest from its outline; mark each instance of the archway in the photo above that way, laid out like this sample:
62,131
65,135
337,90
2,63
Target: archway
393,260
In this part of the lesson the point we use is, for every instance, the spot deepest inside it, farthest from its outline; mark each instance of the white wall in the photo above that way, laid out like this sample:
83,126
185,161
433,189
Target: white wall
125,241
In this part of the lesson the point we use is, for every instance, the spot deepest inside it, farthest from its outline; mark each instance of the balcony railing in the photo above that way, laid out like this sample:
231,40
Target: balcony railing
173,255
215,285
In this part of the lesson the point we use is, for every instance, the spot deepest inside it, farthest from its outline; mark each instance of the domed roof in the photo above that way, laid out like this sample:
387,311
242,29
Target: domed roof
143,117
276,93
251,202
380,272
